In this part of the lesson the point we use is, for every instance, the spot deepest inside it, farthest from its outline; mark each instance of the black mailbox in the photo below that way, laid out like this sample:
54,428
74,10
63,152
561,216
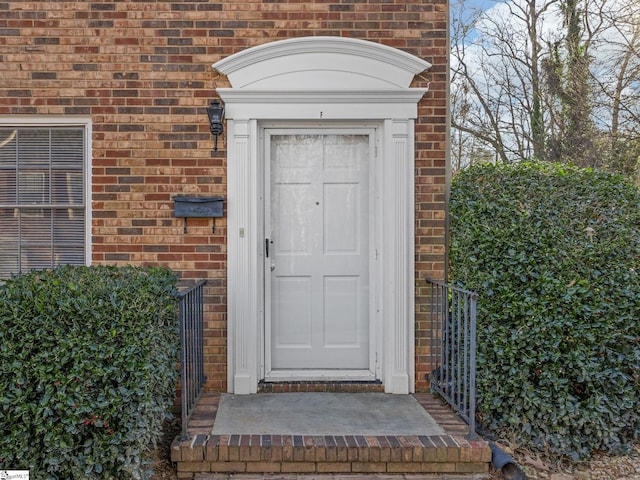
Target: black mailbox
200,207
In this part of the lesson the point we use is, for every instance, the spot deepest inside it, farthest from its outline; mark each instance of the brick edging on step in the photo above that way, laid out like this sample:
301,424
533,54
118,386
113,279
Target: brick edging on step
330,453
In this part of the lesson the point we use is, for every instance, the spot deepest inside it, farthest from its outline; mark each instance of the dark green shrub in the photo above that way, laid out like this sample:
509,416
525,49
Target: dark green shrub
88,358
554,253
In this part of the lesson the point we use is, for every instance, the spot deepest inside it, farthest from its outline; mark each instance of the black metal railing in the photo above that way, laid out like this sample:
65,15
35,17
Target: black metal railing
453,348
192,376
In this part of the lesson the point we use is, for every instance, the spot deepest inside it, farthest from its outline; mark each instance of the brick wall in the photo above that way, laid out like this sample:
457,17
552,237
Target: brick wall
142,71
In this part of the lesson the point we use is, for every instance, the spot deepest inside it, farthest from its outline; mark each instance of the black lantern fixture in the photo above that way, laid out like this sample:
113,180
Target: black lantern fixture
215,111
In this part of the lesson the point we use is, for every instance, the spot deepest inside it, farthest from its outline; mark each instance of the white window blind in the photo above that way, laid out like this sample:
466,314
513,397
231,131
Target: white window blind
42,197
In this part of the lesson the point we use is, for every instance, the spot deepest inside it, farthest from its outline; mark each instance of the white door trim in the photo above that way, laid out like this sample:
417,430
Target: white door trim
394,108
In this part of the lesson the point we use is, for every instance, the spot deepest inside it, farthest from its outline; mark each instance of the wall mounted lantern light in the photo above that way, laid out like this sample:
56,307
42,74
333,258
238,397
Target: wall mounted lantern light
215,111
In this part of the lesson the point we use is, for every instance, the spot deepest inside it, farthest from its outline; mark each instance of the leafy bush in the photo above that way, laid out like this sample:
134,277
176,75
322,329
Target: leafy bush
88,359
554,253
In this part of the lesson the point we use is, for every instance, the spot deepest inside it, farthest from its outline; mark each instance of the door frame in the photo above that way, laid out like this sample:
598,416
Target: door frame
375,238
321,79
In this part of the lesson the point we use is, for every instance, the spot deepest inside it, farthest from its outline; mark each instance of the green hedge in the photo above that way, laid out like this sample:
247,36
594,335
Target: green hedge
554,253
88,359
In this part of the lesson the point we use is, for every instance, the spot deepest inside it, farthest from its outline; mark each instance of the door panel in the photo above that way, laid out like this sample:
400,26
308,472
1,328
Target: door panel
318,269
341,226
341,311
294,223
292,307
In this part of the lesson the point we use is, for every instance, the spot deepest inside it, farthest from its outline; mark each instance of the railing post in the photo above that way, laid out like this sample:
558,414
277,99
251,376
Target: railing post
183,365
472,368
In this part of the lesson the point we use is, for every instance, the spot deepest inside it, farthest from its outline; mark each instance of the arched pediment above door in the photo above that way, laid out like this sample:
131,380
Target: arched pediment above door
321,63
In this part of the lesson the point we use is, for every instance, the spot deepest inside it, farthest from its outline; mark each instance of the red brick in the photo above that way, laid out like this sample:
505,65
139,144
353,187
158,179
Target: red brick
368,467
333,467
194,467
145,78
404,467
263,467
298,467
227,467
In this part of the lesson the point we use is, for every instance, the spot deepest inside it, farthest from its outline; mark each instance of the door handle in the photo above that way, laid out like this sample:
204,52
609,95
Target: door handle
266,250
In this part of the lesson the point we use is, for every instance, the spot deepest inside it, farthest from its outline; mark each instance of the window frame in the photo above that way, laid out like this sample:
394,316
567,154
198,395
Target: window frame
46,121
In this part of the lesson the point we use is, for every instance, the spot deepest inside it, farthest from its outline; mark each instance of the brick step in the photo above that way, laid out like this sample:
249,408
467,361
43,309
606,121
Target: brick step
329,454
452,452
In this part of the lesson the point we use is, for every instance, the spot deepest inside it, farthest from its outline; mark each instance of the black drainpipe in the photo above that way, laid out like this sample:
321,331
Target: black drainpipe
503,462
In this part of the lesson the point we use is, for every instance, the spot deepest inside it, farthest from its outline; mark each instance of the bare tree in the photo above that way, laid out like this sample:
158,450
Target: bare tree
475,108
547,79
496,59
617,88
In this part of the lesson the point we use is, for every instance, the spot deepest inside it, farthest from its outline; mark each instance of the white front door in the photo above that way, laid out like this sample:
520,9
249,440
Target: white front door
317,252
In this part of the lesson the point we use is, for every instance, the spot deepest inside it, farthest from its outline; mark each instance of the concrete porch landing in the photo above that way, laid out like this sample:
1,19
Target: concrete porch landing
344,433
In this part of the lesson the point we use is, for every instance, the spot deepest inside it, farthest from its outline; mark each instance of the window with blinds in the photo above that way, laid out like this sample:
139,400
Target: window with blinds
42,197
